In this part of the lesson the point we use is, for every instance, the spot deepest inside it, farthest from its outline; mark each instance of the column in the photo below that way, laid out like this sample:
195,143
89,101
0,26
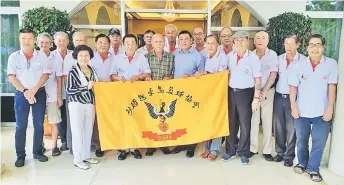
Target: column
336,161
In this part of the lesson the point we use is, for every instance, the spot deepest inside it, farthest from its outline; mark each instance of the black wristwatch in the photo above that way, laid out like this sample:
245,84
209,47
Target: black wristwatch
25,90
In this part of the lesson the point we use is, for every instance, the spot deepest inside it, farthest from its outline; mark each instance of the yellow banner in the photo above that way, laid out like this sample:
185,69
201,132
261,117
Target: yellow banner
162,113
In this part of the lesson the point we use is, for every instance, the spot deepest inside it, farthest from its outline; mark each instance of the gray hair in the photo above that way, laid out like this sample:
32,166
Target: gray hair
44,34
61,33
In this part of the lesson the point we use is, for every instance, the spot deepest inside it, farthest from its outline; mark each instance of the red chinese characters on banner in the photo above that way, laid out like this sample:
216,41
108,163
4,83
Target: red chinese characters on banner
163,137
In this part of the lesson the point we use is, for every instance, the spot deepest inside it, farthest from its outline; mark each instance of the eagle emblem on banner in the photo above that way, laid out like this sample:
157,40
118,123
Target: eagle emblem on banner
161,113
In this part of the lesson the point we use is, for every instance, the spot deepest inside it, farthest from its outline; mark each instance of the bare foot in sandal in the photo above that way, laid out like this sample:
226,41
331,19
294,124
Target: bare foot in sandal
204,155
299,169
315,176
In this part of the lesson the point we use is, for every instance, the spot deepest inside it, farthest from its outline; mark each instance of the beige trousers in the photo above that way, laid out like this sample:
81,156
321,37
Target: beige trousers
263,114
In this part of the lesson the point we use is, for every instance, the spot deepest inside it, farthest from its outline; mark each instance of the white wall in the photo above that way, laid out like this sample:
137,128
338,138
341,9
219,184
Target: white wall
268,9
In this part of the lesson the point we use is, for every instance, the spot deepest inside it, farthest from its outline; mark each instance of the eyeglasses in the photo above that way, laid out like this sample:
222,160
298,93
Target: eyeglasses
318,45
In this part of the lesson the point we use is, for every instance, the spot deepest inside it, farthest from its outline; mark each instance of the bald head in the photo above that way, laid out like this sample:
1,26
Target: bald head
158,42
261,40
79,38
171,32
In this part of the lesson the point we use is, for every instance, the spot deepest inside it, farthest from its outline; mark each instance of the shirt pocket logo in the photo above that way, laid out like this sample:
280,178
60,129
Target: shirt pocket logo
246,71
37,66
139,70
121,70
304,76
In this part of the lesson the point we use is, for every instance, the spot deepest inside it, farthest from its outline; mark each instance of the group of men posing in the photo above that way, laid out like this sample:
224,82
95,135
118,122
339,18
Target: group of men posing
303,95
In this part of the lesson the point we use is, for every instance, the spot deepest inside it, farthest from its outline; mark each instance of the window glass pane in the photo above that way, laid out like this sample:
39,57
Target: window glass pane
9,44
11,3
233,14
330,29
328,5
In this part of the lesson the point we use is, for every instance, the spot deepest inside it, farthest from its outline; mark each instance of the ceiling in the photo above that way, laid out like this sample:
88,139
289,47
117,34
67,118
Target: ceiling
178,4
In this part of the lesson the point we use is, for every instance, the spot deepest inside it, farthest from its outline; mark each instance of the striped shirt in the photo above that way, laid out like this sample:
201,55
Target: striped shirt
76,92
160,68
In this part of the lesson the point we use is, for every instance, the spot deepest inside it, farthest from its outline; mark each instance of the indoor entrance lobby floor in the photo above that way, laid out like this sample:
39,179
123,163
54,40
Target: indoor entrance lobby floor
155,170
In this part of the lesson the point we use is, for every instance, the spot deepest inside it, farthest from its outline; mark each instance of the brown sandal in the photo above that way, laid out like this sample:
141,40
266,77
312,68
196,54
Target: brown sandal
212,157
204,155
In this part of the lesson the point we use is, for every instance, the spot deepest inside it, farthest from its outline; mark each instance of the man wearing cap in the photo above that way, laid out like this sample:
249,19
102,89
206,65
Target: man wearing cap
269,61
199,36
147,37
187,62
171,43
161,64
28,71
116,42
313,84
245,86
130,66
226,40
78,39
101,63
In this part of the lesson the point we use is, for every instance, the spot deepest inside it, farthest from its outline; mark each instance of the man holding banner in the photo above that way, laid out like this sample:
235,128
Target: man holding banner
216,61
187,62
130,66
161,64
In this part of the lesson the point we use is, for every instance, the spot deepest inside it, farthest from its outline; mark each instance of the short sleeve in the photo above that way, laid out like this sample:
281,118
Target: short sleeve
223,63
146,68
200,62
333,76
47,65
293,78
59,68
11,65
274,63
113,69
256,66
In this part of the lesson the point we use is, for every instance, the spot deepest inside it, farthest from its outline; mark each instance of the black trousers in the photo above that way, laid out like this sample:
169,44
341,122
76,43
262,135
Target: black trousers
187,147
240,104
63,124
164,149
285,136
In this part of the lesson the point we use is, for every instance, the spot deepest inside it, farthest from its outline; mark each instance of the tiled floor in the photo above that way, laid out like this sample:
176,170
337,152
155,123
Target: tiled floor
155,170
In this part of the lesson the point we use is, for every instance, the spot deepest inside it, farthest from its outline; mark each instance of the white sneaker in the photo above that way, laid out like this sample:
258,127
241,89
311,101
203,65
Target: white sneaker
82,165
91,161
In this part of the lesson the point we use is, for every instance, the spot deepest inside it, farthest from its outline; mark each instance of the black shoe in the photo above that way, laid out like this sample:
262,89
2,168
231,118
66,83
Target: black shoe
149,153
166,151
123,155
56,152
288,163
268,157
176,150
40,157
190,153
44,150
137,154
278,158
20,162
252,154
99,153
64,147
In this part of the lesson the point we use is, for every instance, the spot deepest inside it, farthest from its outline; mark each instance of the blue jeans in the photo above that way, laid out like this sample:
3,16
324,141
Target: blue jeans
319,133
213,146
22,109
